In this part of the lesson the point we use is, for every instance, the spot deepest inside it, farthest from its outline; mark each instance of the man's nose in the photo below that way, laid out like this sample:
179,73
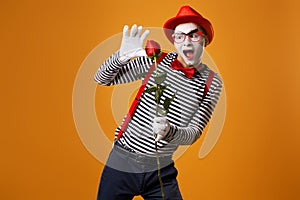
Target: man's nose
187,41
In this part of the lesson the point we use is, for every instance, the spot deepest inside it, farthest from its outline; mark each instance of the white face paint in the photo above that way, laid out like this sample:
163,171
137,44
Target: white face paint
190,52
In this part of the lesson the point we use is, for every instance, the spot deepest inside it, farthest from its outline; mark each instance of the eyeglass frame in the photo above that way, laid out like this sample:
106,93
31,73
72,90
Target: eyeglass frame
200,33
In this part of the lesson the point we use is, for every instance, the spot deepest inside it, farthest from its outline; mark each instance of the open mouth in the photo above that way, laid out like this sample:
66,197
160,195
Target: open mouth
189,54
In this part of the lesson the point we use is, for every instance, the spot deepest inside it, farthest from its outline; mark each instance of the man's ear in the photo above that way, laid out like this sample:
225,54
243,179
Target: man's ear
206,41
205,35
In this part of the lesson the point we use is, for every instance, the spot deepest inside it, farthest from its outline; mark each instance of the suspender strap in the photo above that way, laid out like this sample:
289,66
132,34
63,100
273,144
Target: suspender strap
138,96
208,82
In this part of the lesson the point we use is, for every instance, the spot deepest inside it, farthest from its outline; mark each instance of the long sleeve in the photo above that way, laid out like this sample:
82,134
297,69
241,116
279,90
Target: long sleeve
113,71
189,134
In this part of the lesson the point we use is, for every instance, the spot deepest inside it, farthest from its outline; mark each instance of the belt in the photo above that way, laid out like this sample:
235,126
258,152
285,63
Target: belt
140,158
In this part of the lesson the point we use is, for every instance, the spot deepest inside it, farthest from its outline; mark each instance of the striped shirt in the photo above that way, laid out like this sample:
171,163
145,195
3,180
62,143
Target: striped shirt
188,113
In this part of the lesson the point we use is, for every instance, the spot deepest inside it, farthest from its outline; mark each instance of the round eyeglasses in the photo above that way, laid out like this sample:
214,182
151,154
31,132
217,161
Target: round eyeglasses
193,37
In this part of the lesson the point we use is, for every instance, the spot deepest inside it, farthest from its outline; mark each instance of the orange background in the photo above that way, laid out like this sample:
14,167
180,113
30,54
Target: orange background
256,48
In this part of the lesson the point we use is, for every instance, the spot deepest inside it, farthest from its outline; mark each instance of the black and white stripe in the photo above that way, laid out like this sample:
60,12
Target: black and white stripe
188,113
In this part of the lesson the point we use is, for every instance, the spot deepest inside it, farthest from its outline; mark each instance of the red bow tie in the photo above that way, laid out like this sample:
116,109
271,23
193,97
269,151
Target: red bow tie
188,72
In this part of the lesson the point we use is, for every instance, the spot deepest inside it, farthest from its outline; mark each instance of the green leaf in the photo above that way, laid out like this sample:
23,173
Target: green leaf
141,75
161,77
151,89
161,87
158,95
168,102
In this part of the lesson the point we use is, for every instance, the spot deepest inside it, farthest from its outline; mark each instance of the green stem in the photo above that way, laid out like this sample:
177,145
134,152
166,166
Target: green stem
157,157
156,92
155,62
158,174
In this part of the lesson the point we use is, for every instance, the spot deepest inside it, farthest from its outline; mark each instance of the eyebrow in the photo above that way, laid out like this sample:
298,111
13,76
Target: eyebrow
192,31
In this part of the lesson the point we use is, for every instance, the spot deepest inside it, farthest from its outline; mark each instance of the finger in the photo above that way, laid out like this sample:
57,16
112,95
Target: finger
157,119
125,31
156,130
133,31
160,120
166,126
144,35
139,30
159,127
158,137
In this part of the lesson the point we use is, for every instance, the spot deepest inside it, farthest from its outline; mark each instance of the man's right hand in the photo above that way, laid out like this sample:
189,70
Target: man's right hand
132,43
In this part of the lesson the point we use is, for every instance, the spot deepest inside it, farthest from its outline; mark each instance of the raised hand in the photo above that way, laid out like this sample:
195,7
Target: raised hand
132,42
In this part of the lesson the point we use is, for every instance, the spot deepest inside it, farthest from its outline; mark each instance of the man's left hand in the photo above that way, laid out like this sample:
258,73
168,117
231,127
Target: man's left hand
161,127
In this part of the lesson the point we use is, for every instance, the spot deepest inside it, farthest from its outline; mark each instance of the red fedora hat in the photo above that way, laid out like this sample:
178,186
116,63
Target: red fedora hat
187,14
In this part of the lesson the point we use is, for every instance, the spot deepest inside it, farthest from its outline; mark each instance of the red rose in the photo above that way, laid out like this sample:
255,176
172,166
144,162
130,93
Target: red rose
153,49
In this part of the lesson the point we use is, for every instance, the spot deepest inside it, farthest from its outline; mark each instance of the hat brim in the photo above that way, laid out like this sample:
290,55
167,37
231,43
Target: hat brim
171,24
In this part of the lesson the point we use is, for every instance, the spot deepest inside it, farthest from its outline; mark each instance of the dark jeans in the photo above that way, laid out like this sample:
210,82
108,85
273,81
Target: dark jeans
119,184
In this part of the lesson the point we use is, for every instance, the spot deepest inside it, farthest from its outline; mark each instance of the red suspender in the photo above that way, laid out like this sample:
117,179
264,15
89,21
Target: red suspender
208,82
138,96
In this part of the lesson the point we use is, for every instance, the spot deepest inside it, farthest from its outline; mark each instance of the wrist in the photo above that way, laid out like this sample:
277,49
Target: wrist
171,133
123,59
